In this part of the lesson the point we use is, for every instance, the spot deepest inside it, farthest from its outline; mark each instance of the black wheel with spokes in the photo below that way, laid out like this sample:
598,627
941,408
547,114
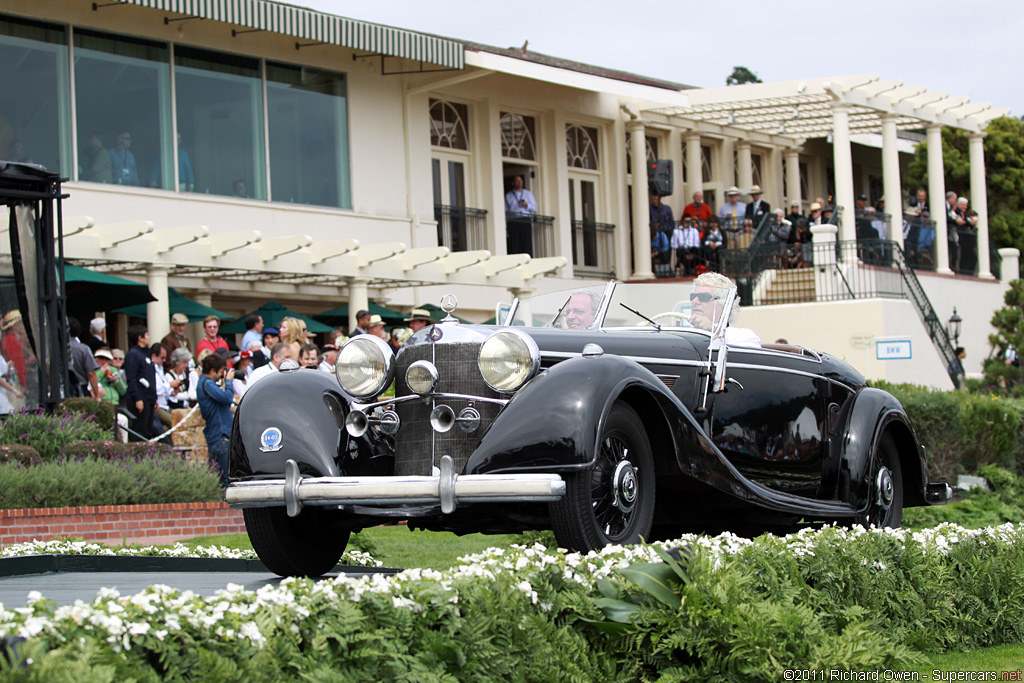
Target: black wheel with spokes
306,545
885,490
613,501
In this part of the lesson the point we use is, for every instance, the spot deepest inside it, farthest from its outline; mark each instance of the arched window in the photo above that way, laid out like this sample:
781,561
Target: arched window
448,125
581,146
518,137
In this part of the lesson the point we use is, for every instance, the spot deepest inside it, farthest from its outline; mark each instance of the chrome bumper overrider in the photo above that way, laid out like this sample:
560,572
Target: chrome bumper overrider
448,489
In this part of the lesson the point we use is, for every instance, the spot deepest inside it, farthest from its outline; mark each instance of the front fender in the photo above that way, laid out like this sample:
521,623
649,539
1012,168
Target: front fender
861,422
309,408
553,423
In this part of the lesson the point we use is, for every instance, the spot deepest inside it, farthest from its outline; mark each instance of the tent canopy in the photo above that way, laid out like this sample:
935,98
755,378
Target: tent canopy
273,313
94,291
178,303
339,315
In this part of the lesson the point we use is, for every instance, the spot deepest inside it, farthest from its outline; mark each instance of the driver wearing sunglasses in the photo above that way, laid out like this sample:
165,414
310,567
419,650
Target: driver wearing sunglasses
707,301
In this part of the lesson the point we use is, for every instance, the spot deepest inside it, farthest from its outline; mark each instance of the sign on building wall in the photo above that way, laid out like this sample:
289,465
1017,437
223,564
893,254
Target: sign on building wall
895,348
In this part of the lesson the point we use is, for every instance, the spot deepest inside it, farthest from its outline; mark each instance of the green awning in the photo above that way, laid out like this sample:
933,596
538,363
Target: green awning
273,313
311,25
90,290
178,303
339,315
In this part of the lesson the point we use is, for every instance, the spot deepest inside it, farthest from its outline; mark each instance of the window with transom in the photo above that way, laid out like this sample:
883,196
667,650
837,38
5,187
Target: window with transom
448,124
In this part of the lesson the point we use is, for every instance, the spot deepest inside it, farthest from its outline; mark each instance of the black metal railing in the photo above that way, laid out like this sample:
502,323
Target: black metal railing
530,234
460,228
593,249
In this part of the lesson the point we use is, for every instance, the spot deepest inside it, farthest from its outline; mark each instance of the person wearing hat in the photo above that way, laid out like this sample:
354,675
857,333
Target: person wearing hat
362,323
110,378
97,334
376,327
732,212
815,215
757,209
176,339
418,319
328,358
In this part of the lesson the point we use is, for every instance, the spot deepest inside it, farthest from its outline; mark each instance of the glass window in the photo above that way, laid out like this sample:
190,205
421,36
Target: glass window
34,94
652,150
122,101
219,99
581,146
518,137
448,121
307,114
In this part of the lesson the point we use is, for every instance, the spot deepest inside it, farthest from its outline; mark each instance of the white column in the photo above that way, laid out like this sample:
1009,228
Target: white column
1011,265
773,179
843,161
892,189
793,177
745,171
677,200
979,200
358,299
728,165
641,202
694,169
158,315
937,197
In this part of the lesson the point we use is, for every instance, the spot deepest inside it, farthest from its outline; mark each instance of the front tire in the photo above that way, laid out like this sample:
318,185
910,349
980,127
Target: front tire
307,545
611,502
885,488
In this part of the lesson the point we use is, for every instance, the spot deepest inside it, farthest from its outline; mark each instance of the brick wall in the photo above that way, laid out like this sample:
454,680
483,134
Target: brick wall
145,524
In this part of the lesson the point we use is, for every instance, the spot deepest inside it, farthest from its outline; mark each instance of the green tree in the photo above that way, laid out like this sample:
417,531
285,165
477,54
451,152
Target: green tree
1004,170
1009,331
741,75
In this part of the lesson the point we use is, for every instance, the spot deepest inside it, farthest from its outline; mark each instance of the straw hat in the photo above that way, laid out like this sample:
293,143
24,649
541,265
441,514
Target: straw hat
756,189
419,314
815,206
104,353
732,190
11,319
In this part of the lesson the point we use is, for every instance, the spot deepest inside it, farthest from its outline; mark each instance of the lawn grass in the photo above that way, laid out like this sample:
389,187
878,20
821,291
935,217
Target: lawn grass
1000,658
397,546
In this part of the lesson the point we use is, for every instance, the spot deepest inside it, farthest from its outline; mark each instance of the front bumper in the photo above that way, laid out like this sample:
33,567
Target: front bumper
448,489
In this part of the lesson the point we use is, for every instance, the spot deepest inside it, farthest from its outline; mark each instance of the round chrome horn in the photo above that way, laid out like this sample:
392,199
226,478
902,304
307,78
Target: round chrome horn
356,423
442,418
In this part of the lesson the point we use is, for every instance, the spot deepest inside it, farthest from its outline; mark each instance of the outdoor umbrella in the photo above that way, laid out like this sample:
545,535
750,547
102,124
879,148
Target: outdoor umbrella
273,313
339,315
178,303
89,290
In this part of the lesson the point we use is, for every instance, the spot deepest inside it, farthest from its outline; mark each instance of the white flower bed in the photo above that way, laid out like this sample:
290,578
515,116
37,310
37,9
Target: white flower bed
236,614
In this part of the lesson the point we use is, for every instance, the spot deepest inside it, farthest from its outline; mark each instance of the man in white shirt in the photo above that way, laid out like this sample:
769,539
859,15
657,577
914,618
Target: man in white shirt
686,244
278,355
253,330
733,210
329,358
520,205
706,301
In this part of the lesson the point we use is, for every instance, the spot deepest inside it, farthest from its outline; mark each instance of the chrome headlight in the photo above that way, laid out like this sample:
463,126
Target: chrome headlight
421,377
365,366
508,359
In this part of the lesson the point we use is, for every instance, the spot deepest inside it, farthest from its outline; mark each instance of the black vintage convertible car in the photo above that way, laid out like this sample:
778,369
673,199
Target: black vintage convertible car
608,414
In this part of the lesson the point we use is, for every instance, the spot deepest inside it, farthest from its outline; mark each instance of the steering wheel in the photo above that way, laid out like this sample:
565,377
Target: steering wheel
671,314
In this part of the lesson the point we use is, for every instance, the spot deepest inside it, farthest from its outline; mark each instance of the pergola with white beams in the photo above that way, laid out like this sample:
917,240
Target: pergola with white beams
788,113
189,257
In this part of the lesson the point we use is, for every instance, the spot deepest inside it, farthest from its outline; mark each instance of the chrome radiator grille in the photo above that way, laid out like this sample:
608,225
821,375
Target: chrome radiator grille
417,445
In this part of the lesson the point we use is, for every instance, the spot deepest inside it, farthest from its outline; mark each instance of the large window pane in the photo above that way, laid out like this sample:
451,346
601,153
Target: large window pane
34,94
308,121
220,121
122,99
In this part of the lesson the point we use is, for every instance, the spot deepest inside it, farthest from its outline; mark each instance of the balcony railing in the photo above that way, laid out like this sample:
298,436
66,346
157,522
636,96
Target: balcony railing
593,249
460,228
530,234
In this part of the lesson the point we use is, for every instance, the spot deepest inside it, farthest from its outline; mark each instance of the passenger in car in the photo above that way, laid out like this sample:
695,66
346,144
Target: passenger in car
706,307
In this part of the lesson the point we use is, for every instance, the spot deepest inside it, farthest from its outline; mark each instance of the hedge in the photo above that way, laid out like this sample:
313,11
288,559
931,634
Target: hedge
49,435
731,610
962,431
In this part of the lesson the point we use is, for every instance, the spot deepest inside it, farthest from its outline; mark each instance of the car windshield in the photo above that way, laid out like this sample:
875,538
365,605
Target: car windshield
668,305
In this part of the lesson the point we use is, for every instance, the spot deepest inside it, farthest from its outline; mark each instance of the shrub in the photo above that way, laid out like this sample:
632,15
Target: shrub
92,481
116,450
26,455
101,412
49,434
976,508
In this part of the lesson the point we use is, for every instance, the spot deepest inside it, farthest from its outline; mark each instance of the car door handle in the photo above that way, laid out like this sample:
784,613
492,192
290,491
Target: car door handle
734,381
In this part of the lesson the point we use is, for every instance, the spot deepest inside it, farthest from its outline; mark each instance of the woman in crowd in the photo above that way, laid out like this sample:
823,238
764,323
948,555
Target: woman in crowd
178,378
293,332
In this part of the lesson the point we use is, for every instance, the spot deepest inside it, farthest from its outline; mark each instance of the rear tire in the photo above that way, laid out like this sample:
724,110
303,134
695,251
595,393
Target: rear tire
612,502
306,545
885,488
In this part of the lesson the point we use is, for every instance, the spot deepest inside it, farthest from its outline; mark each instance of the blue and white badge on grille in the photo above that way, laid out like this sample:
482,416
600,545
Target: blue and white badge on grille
435,333
271,440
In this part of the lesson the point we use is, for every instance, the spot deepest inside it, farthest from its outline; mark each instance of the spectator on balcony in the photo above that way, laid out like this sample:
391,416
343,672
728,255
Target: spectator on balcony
782,227
733,210
662,219
921,234
956,220
800,245
969,248
815,217
520,206
661,256
122,161
757,209
714,242
860,204
686,243
95,161
697,209
794,212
